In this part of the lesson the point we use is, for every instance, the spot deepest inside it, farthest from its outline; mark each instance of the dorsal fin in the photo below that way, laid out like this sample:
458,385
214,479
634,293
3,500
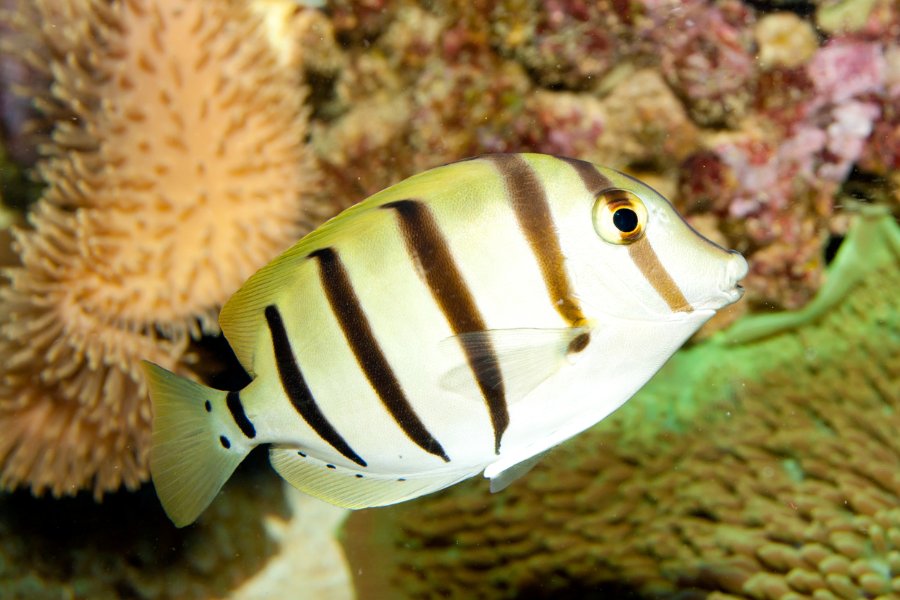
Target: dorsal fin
242,318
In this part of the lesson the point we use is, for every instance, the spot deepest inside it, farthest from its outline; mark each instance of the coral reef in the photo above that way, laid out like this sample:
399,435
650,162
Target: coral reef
309,557
765,469
175,167
177,159
127,548
563,42
741,108
773,183
784,40
706,56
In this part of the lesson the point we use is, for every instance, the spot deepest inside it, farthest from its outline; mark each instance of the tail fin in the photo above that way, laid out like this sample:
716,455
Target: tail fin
195,447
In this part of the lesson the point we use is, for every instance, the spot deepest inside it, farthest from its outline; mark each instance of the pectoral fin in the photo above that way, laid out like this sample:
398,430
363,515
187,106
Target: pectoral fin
516,360
504,478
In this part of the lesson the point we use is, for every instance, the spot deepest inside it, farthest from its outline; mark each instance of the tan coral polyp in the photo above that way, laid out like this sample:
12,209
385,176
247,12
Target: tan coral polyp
174,169
201,134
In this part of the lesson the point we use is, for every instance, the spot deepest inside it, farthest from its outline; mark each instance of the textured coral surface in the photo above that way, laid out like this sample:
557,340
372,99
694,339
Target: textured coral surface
127,548
767,470
741,109
174,163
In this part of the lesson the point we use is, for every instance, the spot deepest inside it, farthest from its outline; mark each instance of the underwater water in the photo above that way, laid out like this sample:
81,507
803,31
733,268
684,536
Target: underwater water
155,154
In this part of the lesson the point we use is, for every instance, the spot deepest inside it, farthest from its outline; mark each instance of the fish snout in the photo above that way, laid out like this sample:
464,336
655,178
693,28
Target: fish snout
735,270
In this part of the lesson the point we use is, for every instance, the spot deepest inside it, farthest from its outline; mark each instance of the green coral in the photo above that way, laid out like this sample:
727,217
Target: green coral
768,469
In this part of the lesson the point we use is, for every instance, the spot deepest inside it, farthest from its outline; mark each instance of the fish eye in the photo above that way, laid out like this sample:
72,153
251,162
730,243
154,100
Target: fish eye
625,220
619,216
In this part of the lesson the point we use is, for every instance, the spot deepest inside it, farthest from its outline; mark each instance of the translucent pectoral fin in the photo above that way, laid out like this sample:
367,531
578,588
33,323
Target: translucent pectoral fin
503,479
355,489
517,359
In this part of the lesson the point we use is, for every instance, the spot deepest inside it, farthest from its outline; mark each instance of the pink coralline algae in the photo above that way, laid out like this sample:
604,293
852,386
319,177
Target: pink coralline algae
707,57
845,68
774,180
458,112
568,42
881,154
561,123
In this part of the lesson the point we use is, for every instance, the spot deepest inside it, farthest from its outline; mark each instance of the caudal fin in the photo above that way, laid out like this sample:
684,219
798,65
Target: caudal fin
195,447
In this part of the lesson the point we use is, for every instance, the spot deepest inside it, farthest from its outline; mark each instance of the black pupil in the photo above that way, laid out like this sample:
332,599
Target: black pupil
625,220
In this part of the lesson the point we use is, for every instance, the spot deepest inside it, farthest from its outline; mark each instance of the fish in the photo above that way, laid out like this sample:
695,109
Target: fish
465,320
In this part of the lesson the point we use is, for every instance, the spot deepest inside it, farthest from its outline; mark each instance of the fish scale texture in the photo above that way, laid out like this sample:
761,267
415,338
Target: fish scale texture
769,470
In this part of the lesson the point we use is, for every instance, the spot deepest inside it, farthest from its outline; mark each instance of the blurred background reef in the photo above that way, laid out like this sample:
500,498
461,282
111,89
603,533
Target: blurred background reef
155,153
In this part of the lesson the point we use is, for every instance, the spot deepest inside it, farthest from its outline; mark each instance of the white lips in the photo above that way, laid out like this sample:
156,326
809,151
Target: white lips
734,294
736,270
729,291
737,267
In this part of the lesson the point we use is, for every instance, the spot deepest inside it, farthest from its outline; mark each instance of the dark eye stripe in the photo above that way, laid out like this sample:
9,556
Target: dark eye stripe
645,258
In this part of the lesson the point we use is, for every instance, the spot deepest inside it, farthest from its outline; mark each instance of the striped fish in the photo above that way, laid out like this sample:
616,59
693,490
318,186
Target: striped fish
467,319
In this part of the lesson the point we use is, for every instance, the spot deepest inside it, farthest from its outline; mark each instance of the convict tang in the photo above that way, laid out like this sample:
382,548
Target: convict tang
464,320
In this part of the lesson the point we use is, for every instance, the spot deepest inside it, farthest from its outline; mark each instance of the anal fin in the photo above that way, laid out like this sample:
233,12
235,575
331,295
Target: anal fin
355,489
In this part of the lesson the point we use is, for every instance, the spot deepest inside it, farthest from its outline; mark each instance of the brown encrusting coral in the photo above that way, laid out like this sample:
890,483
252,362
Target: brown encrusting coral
764,471
177,171
740,97
126,548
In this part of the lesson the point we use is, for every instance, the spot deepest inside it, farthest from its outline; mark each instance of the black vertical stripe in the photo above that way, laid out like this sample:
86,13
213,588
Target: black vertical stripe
297,390
529,202
233,401
594,181
430,251
355,325
641,252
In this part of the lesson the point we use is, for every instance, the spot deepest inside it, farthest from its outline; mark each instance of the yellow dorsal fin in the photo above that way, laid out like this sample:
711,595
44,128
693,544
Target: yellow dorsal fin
242,317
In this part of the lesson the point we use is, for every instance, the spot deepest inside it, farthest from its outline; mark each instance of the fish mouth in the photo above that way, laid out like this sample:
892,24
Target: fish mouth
731,290
737,268
735,293
732,295
721,299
